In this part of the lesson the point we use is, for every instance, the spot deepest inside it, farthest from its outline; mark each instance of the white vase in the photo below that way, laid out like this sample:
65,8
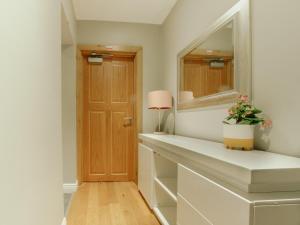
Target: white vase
238,136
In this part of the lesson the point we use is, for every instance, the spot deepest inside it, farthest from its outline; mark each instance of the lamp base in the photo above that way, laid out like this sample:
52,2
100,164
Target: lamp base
159,133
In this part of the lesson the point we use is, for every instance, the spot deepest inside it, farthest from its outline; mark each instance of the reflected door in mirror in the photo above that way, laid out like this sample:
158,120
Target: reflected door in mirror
209,68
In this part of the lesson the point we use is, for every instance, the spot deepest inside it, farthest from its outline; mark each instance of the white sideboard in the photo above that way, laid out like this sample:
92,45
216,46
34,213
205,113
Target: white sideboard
188,181
145,173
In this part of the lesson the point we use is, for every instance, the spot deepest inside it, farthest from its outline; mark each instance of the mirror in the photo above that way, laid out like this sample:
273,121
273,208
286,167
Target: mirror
209,68
216,68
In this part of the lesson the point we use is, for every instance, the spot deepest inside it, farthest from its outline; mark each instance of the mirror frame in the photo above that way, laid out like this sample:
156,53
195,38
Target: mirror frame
240,15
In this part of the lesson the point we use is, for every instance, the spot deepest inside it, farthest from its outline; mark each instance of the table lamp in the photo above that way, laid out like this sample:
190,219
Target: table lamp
159,100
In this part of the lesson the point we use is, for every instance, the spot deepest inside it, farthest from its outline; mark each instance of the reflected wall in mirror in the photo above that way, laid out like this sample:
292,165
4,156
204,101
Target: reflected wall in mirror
216,68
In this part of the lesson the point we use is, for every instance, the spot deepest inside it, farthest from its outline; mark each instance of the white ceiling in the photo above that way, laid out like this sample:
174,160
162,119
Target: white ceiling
134,11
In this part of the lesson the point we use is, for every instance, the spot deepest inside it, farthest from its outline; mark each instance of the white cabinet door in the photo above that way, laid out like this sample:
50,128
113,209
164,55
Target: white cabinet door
286,214
186,215
216,203
145,173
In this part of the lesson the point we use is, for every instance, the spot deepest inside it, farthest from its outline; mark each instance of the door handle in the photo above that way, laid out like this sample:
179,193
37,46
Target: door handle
127,121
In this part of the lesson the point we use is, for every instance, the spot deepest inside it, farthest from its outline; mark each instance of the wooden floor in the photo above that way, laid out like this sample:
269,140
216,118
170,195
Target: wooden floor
112,203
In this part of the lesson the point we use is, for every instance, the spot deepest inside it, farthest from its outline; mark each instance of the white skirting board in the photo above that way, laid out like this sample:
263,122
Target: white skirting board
70,188
64,222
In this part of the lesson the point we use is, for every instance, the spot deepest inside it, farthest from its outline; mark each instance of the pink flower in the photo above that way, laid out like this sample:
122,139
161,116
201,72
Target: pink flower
267,124
244,98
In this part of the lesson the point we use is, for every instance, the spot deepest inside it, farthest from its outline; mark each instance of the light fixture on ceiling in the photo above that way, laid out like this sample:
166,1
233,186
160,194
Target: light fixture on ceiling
95,58
219,63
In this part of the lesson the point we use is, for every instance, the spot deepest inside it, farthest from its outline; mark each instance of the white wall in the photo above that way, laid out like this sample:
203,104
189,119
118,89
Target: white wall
275,56
276,47
69,46
147,36
69,113
221,40
30,113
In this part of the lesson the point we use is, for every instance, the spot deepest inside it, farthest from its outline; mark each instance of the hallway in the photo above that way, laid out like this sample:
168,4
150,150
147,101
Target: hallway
111,203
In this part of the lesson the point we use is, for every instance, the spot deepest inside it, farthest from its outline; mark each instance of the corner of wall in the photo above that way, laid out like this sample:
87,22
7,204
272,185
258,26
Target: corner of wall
69,10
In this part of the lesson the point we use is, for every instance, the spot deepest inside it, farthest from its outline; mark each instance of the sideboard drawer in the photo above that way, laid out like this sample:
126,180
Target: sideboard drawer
285,214
218,204
186,215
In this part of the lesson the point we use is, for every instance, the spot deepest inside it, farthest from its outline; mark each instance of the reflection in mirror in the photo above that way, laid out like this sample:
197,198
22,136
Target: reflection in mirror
216,67
209,68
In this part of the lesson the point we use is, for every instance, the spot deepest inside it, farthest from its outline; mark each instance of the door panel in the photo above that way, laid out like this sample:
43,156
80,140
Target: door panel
97,84
98,144
119,79
119,152
194,78
108,120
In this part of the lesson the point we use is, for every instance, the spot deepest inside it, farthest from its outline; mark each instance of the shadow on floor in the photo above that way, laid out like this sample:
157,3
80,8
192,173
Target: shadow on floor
67,200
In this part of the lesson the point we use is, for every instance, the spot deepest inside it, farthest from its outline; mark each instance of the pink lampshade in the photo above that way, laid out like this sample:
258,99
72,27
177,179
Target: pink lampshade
159,100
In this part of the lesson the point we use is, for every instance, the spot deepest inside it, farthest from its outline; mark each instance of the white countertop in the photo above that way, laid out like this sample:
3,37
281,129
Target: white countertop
251,160
250,171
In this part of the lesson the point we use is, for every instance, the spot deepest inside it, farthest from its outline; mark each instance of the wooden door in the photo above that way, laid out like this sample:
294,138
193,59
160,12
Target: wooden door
108,120
203,80
195,77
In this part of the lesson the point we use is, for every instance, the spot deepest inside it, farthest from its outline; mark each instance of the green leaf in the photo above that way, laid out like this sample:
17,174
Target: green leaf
256,111
245,122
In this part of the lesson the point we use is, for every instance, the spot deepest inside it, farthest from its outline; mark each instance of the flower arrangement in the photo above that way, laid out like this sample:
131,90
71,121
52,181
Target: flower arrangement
244,113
